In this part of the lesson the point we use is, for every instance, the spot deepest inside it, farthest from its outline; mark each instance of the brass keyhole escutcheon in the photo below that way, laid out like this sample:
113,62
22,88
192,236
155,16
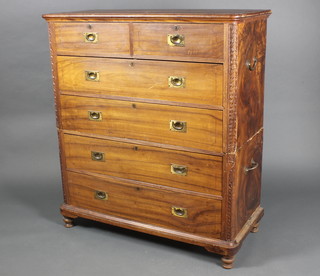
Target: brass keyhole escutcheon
92,75
95,115
179,126
176,82
101,195
175,40
97,156
179,212
91,37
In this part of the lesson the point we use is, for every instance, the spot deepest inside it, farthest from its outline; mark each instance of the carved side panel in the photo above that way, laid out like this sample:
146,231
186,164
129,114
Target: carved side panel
53,55
53,67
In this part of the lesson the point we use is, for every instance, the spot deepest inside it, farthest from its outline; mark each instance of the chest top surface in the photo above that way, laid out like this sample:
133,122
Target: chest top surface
163,14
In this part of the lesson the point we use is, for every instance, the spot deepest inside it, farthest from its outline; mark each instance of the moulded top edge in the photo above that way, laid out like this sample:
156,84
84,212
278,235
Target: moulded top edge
205,14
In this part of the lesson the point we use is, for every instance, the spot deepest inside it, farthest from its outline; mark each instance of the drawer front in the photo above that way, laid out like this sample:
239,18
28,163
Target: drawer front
190,171
92,39
178,211
202,42
158,80
180,126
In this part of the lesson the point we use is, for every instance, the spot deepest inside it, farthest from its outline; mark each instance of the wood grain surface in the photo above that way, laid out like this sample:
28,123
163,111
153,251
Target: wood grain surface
145,163
113,39
143,79
142,121
247,190
144,204
205,42
163,15
252,44
221,104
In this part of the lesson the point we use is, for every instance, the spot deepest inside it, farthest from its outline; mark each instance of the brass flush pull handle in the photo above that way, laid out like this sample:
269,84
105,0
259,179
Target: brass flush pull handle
179,169
178,126
179,212
97,156
175,40
252,66
176,82
100,195
95,115
92,75
253,166
91,37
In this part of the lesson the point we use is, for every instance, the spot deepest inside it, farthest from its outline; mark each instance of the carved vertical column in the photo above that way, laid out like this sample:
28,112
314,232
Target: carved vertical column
232,122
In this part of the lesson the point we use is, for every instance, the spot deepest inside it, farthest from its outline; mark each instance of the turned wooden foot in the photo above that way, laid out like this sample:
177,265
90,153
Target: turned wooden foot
255,228
227,261
68,222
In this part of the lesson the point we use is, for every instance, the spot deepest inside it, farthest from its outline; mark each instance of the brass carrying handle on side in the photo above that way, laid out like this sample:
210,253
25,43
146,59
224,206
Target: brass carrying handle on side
252,167
253,65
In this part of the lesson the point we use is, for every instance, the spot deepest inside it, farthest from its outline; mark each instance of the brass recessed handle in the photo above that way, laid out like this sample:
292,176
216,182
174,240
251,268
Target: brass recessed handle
252,66
92,75
179,169
97,156
95,115
179,212
252,167
100,195
176,40
91,37
179,126
176,82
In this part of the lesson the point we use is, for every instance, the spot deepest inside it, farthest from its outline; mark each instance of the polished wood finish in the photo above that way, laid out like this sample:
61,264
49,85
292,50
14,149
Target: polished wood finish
68,222
142,121
203,42
145,204
248,188
227,262
143,163
113,39
143,79
251,83
216,204
174,15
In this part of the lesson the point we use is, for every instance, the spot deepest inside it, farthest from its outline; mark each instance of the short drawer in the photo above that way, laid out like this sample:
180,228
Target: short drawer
179,126
195,83
184,170
92,39
172,210
201,42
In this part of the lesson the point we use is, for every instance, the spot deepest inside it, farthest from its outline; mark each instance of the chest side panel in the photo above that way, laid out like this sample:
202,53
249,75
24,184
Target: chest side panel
251,58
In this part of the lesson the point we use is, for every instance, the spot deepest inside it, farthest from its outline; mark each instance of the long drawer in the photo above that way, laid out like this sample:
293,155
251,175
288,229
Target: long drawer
180,126
195,83
178,211
184,170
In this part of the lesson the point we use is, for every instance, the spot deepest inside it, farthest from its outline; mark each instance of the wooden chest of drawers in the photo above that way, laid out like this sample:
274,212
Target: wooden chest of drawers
160,121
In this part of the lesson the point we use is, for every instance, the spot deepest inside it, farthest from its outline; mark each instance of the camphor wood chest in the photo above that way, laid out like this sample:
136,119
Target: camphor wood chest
160,121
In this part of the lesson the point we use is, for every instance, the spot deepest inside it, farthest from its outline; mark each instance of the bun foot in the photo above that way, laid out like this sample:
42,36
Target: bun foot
227,261
255,228
68,222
